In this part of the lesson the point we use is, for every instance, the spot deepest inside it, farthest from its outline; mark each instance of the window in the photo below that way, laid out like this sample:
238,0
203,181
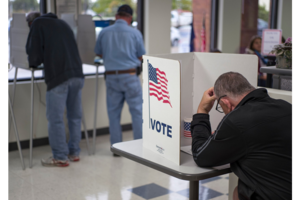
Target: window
99,9
263,19
106,9
181,20
255,18
21,6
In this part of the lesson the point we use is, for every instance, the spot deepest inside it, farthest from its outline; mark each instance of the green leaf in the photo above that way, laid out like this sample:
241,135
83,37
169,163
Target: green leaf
288,54
279,52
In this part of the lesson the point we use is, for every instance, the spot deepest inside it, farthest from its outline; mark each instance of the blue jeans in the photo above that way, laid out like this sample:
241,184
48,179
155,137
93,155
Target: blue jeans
119,88
67,94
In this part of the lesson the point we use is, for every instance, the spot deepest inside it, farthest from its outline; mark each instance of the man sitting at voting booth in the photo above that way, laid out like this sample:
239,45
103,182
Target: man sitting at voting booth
51,42
255,137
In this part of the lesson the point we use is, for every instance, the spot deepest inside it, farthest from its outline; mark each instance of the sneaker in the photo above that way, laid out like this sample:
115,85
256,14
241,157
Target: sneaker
73,158
51,162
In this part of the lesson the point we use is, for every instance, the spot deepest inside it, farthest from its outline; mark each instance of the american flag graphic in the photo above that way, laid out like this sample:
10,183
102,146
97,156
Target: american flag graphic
158,84
187,129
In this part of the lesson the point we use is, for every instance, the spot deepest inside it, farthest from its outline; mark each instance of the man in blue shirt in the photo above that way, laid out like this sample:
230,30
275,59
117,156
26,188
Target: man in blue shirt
121,48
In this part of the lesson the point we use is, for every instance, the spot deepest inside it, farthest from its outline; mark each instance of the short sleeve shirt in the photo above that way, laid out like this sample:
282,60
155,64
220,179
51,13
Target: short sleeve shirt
120,46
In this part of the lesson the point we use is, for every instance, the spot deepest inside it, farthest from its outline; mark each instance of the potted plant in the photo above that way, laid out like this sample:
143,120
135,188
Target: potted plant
283,53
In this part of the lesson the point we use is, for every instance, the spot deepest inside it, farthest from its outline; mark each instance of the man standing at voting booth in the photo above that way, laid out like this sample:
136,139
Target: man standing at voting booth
51,42
121,47
255,137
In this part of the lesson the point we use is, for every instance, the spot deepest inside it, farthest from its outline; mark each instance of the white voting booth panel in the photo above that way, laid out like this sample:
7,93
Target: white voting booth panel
86,38
198,72
18,34
162,93
69,18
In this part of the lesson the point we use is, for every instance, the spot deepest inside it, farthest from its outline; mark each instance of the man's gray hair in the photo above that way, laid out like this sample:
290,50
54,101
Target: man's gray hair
232,84
32,15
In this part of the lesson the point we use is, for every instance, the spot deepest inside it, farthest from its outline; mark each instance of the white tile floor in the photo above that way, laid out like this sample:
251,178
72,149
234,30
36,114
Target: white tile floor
99,176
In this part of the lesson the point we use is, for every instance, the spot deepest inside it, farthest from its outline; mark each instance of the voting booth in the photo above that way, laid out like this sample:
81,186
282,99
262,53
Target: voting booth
86,38
173,85
18,34
83,28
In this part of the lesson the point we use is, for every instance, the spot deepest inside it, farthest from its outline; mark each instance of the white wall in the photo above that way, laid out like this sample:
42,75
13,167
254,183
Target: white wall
22,108
229,26
157,23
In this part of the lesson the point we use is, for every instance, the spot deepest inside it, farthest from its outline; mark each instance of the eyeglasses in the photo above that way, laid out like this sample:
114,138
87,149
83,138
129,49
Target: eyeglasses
218,107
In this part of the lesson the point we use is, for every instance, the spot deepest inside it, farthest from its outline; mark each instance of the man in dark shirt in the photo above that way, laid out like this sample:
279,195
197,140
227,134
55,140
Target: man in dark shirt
255,137
51,42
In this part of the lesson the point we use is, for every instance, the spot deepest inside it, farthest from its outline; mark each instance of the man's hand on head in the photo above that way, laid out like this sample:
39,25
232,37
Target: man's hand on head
207,101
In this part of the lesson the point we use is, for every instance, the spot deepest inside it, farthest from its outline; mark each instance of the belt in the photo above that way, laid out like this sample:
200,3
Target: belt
121,71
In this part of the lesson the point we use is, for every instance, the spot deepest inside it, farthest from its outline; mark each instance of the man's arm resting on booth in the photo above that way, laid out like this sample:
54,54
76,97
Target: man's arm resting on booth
34,48
225,146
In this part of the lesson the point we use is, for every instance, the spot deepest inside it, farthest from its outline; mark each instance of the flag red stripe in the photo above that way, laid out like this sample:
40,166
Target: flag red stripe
158,92
167,101
160,95
159,89
162,77
161,82
156,86
160,71
160,98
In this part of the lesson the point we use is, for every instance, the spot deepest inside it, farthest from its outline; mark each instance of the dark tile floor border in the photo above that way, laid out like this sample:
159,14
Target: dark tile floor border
12,146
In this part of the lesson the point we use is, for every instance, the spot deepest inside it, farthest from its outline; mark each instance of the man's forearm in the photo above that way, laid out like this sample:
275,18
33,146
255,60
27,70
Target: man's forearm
201,131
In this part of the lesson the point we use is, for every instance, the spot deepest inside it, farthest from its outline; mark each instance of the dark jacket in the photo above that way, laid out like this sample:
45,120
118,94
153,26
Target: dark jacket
256,139
51,42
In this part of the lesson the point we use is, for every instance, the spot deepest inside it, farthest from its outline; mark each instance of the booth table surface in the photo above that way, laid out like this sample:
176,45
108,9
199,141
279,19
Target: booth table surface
274,70
188,170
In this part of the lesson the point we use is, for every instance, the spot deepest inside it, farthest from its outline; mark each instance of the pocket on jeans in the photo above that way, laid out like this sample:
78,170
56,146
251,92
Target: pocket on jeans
133,87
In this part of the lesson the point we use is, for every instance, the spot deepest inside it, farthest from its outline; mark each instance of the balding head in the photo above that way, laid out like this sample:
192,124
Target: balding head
32,16
233,85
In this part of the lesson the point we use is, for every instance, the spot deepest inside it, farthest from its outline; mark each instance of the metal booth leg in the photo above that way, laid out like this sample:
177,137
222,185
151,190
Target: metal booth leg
194,190
269,80
13,98
16,133
95,115
86,134
31,122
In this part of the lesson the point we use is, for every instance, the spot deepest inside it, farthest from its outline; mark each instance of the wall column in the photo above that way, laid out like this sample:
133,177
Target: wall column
157,24
249,23
229,28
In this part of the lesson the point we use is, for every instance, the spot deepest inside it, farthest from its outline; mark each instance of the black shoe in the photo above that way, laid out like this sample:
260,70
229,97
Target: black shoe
116,155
